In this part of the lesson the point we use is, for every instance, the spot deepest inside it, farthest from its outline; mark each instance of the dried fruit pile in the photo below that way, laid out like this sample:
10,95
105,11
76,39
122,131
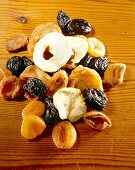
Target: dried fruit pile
64,82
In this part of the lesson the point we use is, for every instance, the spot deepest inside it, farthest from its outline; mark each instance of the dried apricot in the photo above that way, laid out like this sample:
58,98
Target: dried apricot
10,87
4,72
35,107
83,78
64,135
32,126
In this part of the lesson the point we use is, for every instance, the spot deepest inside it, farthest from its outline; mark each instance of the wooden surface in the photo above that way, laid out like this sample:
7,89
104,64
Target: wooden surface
114,24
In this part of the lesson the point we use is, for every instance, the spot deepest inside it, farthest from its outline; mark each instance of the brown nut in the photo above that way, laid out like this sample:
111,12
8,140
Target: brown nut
64,135
97,120
114,74
39,32
10,87
4,72
35,107
16,43
83,77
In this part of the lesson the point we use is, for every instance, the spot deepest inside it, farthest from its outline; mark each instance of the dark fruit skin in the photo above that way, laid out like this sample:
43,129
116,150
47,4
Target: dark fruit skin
51,114
99,64
63,19
78,26
15,65
95,98
35,87
86,60
27,62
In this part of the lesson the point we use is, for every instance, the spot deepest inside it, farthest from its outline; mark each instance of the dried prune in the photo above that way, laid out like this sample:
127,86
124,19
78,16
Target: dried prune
35,87
63,19
15,65
51,115
27,62
86,60
78,26
95,98
99,64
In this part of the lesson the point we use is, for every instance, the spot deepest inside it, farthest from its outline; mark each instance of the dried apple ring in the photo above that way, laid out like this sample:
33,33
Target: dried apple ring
58,46
83,78
39,32
95,47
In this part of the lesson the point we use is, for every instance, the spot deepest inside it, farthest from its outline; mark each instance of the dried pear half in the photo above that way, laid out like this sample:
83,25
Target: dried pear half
83,78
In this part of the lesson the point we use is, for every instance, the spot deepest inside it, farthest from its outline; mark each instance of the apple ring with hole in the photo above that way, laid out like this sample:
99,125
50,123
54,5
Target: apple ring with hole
52,52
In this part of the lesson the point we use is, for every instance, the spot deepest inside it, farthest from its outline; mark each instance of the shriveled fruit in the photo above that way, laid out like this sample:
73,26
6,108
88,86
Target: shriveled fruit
83,78
70,103
95,47
27,62
114,74
40,31
57,81
32,126
17,42
58,46
35,107
35,88
51,114
64,135
97,120
10,87
4,72
95,98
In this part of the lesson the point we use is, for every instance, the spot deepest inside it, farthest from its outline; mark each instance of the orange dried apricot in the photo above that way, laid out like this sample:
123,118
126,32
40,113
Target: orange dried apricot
35,107
4,72
32,126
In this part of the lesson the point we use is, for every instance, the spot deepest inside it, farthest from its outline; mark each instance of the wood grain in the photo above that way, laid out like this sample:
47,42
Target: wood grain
113,22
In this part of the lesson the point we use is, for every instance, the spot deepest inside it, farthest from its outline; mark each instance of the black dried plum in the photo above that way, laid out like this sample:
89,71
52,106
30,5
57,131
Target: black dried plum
78,26
99,64
95,98
27,62
34,87
86,60
63,19
51,114
15,65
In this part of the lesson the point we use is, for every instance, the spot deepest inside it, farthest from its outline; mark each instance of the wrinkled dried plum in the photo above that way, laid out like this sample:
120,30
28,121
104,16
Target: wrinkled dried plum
27,62
35,87
63,19
15,65
95,98
51,115
78,26
99,64
86,60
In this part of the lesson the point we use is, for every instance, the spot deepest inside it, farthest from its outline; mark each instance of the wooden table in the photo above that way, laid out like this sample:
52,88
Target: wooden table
114,25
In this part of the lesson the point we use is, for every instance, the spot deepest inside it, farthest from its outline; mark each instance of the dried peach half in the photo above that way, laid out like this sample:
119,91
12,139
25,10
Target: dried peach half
32,126
83,77
64,135
35,107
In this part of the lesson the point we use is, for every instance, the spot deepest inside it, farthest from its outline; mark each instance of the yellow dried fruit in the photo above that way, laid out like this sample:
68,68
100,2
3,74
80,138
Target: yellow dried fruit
70,103
32,126
35,107
40,31
58,80
83,77
95,47
114,74
4,72
97,120
64,135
